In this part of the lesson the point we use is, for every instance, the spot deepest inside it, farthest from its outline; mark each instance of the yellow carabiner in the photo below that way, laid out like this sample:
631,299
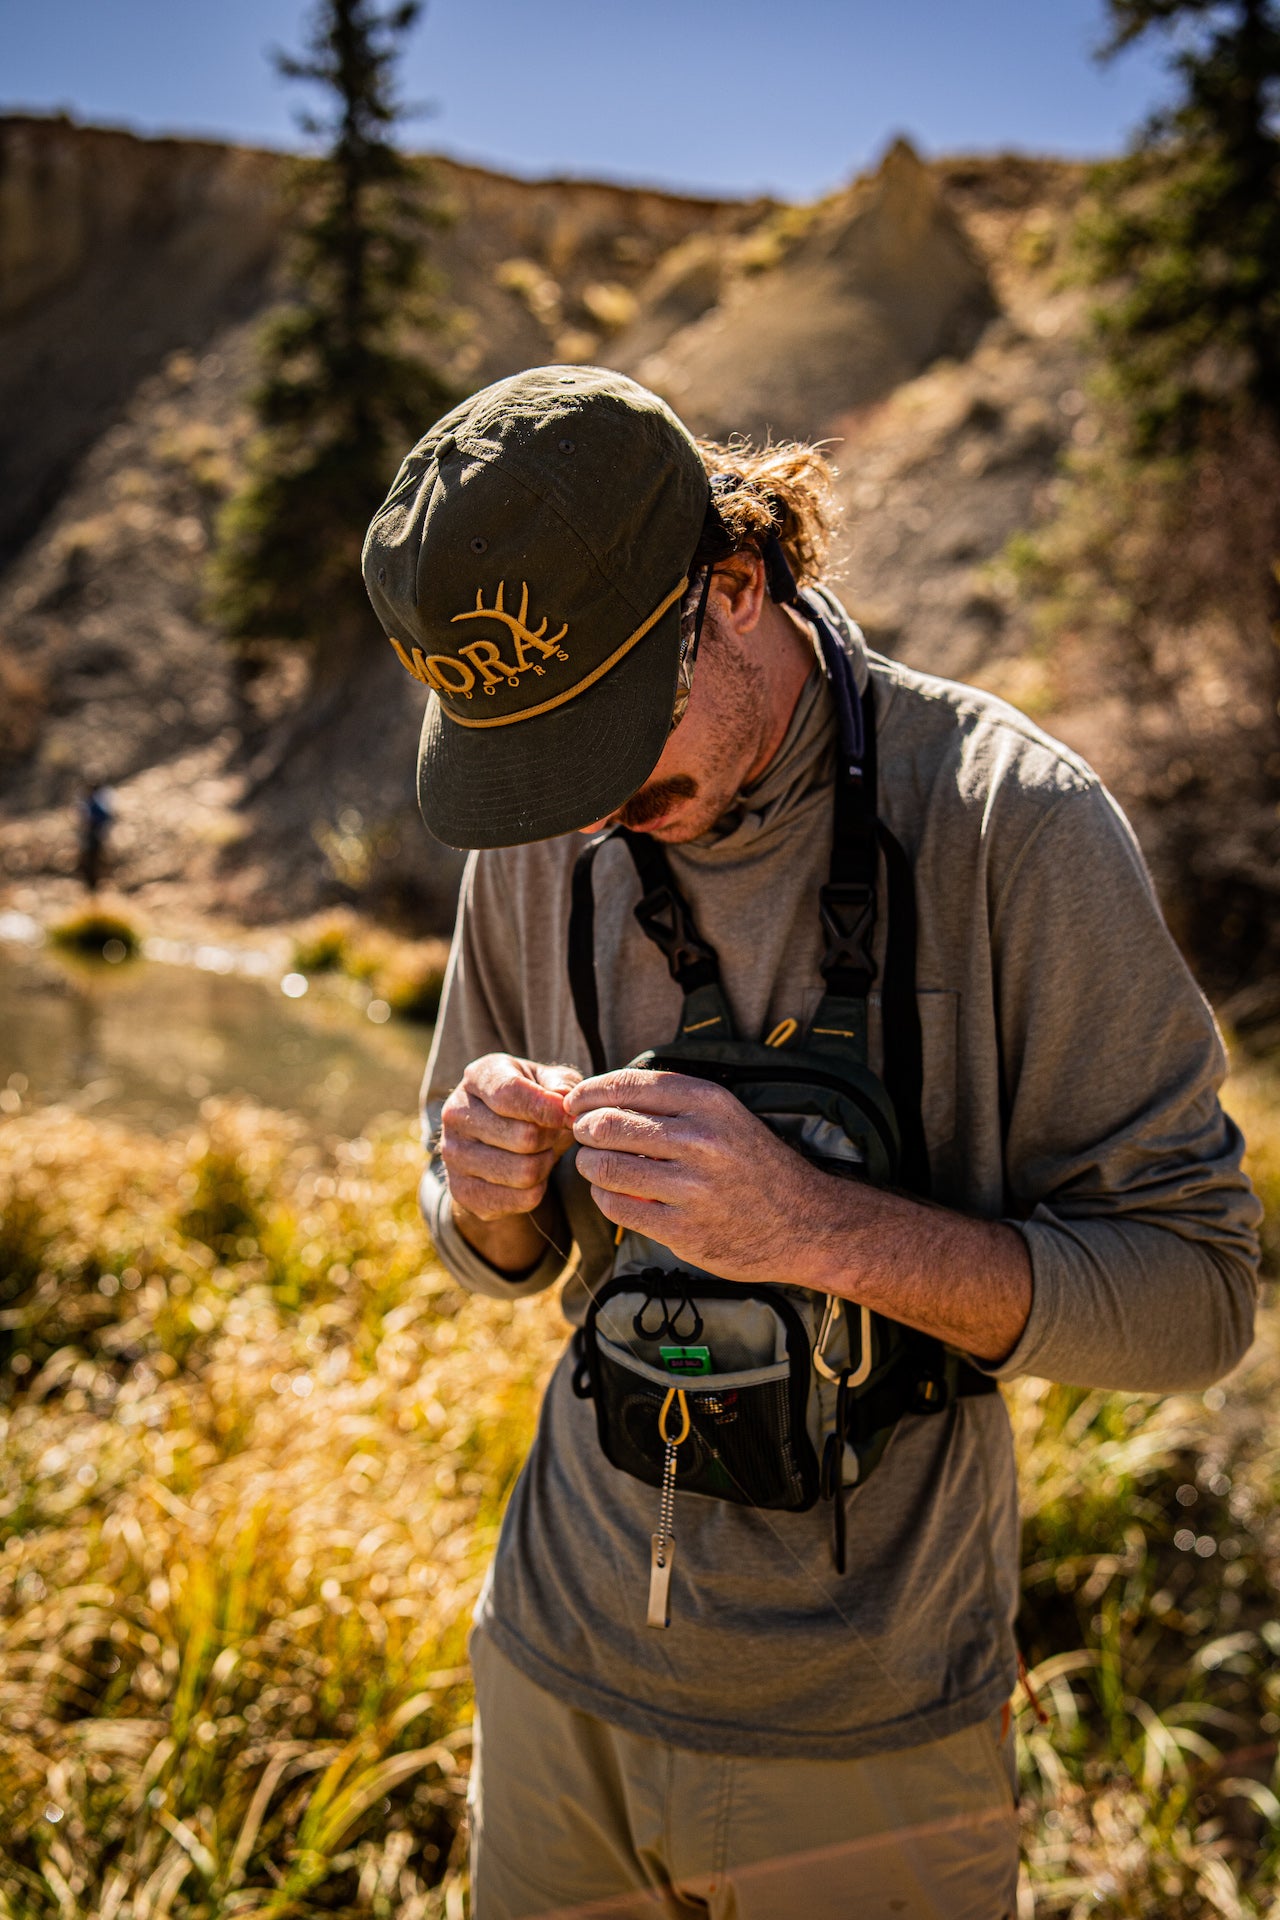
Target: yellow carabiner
674,1393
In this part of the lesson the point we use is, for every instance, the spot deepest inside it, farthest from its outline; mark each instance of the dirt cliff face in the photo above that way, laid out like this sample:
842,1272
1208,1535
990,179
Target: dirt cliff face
114,252
911,317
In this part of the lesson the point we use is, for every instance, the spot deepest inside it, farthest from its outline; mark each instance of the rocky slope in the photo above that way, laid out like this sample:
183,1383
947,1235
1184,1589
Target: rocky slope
917,319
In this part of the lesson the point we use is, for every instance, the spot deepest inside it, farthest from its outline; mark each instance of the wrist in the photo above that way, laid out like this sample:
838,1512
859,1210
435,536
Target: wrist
837,1245
514,1243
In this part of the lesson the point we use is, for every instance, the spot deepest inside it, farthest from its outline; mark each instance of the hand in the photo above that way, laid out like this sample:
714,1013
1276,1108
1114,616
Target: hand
683,1161
502,1129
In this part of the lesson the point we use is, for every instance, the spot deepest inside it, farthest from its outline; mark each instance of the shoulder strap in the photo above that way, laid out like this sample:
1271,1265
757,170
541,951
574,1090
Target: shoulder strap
847,902
665,918
900,1016
848,906
582,951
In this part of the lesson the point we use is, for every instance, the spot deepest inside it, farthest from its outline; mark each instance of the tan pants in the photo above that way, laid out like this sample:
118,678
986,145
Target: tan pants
572,1816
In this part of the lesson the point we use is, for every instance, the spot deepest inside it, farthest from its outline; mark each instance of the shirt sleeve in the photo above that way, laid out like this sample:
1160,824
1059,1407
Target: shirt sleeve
1122,1171
480,1012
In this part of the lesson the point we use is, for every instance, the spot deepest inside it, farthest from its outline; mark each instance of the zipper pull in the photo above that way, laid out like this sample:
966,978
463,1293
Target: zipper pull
662,1544
662,1553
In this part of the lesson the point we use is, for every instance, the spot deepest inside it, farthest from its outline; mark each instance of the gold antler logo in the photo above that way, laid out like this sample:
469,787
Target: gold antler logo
515,623
448,673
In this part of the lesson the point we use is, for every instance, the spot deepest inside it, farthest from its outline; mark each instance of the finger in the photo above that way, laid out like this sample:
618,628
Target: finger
659,1137
642,1091
508,1086
519,1171
488,1202
466,1114
557,1079
649,1217
632,1174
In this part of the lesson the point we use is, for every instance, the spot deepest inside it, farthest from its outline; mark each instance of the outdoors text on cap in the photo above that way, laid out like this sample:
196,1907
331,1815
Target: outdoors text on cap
449,674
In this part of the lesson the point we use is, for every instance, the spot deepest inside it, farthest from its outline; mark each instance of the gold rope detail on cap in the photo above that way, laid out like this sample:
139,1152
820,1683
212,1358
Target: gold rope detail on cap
545,706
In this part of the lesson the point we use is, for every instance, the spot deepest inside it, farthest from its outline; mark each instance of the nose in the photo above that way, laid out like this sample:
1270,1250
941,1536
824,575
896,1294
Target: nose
596,825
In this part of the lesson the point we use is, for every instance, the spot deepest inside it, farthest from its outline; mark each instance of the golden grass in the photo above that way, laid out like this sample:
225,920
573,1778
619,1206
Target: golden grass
249,1477
254,1447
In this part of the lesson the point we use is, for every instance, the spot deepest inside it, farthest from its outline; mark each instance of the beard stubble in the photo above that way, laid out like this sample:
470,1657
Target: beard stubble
737,692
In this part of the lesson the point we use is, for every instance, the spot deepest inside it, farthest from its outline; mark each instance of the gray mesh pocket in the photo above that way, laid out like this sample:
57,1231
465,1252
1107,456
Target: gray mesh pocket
748,1442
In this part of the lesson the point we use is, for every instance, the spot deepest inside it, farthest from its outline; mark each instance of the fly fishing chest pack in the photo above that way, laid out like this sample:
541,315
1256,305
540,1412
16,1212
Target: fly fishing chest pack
772,1396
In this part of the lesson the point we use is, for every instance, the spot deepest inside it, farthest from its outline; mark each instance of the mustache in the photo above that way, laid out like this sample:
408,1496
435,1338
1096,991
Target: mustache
643,808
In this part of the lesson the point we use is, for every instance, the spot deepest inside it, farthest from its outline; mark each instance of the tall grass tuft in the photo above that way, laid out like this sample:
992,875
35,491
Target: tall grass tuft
1151,1595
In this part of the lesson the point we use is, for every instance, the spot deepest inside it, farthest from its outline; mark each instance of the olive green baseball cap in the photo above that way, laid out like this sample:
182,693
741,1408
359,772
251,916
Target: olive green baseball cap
528,566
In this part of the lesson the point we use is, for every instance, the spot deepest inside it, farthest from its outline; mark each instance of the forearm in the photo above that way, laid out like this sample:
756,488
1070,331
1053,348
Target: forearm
967,1282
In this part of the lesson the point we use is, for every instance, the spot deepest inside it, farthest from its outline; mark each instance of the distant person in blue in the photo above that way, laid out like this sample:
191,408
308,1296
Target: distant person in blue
96,812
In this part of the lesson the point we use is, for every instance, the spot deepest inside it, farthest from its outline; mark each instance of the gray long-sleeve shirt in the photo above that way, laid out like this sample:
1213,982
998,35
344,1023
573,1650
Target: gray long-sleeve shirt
1071,1070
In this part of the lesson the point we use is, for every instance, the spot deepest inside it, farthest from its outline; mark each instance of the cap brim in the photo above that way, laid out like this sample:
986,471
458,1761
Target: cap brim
534,779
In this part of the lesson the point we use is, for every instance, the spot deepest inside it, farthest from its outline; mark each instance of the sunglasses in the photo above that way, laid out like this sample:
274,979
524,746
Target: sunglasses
693,611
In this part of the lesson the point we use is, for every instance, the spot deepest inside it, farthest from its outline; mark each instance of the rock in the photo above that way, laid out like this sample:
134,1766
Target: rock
879,283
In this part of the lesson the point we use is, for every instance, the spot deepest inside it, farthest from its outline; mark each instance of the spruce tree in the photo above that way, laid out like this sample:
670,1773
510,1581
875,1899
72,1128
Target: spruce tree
1162,553
344,387
1190,222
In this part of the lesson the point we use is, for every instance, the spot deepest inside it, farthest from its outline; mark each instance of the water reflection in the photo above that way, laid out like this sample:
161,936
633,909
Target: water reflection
147,1043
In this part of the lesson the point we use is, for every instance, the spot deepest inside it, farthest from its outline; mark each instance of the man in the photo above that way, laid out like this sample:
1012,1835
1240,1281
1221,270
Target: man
95,814
607,617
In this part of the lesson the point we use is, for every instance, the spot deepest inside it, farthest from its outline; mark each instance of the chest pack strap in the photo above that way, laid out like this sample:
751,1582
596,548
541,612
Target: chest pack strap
582,951
665,918
846,903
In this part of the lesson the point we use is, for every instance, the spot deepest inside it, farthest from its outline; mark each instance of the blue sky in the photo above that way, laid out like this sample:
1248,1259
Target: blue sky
730,96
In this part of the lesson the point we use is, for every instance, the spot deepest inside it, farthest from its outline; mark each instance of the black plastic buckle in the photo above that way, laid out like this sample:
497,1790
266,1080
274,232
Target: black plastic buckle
664,917
848,910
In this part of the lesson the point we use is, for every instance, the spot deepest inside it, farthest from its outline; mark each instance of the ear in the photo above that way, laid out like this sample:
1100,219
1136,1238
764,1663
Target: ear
738,584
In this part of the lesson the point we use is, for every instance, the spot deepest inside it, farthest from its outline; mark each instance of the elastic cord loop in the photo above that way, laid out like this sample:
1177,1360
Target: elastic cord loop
674,1393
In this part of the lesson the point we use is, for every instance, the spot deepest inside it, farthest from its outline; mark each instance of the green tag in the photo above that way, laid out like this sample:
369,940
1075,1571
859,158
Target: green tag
686,1359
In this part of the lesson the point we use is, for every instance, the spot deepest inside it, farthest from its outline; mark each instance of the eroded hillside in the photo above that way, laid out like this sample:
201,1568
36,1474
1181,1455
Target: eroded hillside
918,319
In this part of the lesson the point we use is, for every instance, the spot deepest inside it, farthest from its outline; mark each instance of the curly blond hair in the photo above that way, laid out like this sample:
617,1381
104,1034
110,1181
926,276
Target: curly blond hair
785,487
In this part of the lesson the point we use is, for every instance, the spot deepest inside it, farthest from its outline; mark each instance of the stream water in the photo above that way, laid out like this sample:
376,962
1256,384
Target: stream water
147,1042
